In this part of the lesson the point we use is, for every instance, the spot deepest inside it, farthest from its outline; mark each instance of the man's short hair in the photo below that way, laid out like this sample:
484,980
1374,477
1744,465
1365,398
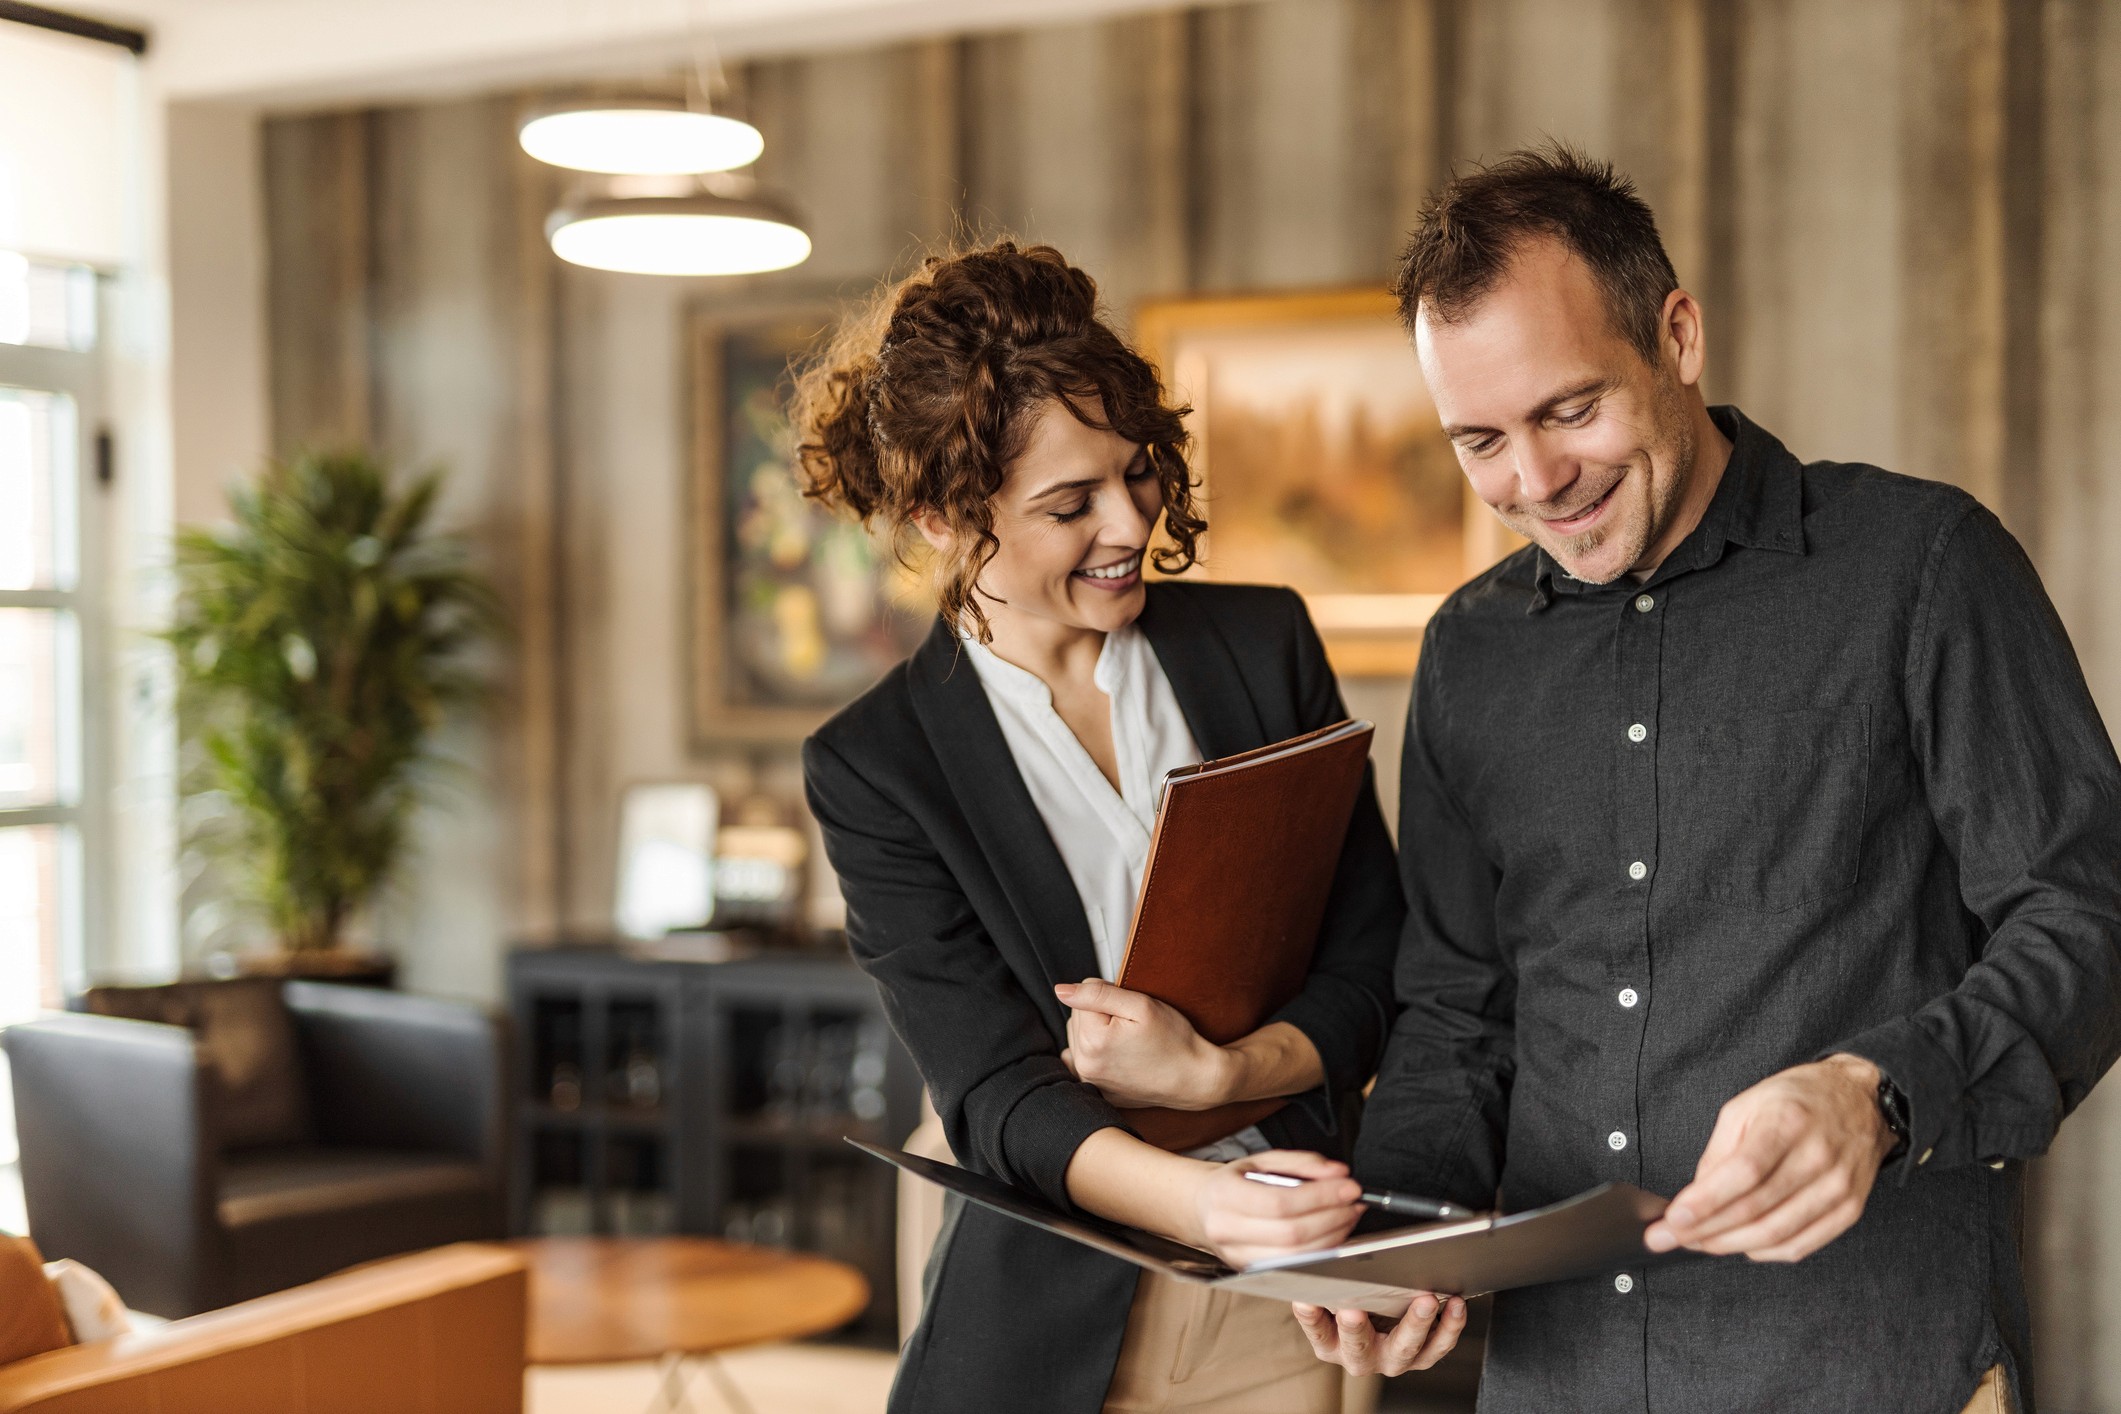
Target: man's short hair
1472,227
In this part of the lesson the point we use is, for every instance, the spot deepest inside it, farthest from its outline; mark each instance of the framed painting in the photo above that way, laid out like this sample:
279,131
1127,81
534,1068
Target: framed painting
1322,463
795,610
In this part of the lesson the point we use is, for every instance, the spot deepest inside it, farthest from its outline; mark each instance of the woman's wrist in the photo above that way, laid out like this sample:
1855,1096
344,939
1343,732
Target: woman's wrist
1228,1073
1276,1060
1195,1208
1117,1176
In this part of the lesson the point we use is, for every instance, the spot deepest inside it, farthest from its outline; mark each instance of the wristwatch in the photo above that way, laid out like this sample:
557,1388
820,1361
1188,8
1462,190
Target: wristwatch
1892,1104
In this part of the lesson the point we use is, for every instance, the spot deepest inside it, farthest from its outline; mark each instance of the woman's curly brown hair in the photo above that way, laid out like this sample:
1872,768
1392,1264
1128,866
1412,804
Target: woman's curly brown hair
922,403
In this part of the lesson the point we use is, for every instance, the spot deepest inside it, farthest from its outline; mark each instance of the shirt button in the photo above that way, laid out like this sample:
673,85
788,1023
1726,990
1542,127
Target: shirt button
1637,732
1616,1141
1638,871
1623,1283
1644,603
1628,997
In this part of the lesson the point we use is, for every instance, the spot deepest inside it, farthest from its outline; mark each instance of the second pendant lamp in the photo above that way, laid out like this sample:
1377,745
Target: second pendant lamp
706,225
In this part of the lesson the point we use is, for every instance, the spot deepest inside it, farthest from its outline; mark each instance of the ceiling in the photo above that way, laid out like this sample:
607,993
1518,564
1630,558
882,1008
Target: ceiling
297,53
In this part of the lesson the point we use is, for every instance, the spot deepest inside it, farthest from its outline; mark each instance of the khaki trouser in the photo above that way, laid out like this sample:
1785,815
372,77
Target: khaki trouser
1192,1348
1992,1396
1186,1348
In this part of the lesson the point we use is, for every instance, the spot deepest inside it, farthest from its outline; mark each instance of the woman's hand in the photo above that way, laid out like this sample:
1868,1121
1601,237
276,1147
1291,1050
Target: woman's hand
1139,1052
1245,1222
1363,1344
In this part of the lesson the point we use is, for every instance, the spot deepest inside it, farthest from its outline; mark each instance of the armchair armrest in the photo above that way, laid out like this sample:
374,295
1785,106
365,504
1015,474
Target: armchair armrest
117,1153
399,1072
442,1329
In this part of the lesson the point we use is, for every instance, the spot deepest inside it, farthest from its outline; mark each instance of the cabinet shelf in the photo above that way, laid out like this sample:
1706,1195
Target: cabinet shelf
805,1134
764,1066
614,1117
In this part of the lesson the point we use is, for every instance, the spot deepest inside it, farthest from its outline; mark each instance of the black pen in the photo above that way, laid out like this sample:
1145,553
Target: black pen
1406,1205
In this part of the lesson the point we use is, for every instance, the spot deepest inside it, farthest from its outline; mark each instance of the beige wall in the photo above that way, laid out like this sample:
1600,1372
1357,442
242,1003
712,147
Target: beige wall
1900,213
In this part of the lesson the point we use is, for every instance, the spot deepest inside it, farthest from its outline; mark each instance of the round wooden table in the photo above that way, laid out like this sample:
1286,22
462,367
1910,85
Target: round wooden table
602,1300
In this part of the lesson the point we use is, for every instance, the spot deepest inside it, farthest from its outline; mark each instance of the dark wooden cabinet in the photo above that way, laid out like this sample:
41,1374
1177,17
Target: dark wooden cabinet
710,1098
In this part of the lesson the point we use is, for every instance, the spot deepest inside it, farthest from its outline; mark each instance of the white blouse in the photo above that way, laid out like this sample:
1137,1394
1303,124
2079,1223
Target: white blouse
1102,834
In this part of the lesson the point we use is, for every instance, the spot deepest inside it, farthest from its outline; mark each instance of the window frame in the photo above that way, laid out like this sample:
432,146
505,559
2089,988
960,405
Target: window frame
85,916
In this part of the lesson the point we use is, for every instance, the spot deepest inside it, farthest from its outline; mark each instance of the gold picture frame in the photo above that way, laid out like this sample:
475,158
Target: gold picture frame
795,610
1335,475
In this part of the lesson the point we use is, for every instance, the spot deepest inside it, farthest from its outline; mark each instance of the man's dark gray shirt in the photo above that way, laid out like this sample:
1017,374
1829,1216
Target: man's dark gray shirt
1830,780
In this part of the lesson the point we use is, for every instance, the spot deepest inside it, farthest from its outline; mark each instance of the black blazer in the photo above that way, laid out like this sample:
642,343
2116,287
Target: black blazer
959,906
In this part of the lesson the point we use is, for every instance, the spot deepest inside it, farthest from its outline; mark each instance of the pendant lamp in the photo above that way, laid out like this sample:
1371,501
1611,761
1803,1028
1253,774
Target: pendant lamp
638,136
704,232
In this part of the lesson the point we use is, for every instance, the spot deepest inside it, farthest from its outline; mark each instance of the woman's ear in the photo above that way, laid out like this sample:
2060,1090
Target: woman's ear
934,529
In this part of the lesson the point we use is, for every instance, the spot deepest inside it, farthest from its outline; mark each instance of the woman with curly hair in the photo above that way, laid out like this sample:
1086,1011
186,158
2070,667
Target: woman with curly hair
988,808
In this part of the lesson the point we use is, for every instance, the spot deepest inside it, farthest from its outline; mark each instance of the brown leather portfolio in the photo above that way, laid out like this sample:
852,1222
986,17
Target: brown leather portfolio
1239,870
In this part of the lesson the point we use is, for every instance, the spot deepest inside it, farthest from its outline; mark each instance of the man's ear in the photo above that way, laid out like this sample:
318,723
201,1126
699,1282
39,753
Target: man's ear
934,528
1684,336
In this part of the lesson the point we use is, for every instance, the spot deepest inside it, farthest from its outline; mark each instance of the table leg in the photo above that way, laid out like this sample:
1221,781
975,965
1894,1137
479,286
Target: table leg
670,1396
725,1386
674,1374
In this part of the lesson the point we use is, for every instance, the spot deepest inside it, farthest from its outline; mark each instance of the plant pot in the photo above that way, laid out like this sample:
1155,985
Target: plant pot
359,967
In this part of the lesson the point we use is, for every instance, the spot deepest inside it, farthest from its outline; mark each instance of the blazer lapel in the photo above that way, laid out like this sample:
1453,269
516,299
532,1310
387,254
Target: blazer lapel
1204,677
968,742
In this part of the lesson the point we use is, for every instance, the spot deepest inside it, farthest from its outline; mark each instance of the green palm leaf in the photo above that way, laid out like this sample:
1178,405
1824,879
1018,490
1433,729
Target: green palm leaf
320,641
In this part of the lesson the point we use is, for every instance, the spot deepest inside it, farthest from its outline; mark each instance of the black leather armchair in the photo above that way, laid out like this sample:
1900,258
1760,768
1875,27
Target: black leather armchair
124,1165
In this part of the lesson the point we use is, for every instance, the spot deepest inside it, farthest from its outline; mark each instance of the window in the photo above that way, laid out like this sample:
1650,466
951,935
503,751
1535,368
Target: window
73,184
44,392
50,306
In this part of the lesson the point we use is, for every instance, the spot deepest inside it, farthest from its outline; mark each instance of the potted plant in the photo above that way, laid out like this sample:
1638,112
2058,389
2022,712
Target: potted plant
320,640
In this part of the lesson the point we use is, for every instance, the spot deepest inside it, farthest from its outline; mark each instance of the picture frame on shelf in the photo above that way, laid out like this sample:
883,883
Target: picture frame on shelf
795,608
1322,463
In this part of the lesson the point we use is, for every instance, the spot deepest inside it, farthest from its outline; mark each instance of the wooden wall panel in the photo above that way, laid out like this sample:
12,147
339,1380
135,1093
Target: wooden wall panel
925,146
994,134
2074,1220
318,268
1223,53
1146,66
1819,279
1072,111
1399,125
1952,319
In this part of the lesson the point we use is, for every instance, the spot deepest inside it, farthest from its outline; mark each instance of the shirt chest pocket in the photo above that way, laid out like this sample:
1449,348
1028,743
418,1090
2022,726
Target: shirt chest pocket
1768,811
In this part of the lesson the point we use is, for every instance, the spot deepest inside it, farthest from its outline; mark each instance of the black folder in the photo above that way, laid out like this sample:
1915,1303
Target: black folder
1598,1230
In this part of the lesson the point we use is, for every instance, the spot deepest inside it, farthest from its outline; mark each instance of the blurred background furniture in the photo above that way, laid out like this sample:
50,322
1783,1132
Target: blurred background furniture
658,1096
437,1332
601,1300
203,1143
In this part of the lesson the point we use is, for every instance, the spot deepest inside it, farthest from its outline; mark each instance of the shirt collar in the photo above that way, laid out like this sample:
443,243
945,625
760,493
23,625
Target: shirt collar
1115,666
1758,504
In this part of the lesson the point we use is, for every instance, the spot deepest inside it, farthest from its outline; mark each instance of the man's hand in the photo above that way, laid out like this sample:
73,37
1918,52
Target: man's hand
1787,1169
1138,1051
1354,1341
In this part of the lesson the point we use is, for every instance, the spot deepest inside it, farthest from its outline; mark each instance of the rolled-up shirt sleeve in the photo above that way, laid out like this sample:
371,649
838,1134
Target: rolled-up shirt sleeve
1010,1108
2025,790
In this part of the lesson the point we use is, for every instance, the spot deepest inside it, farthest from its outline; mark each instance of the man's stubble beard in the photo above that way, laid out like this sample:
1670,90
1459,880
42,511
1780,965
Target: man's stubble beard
1675,431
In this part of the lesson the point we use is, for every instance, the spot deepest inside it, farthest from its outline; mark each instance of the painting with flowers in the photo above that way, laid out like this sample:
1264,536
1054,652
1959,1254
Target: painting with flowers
797,610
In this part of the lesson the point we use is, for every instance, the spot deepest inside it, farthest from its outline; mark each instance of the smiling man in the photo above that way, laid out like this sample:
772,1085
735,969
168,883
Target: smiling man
1759,836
